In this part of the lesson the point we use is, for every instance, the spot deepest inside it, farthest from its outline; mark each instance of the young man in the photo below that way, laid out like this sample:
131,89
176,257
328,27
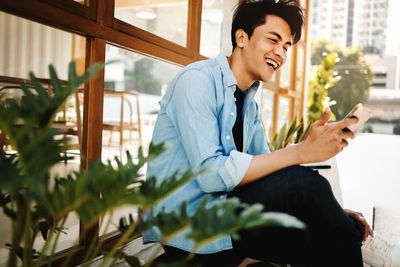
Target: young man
208,118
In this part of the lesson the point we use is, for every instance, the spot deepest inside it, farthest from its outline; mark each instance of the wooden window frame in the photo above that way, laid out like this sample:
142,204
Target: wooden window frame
96,22
74,7
291,93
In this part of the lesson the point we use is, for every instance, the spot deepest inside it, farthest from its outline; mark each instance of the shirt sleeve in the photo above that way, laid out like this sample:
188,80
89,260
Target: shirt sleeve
193,110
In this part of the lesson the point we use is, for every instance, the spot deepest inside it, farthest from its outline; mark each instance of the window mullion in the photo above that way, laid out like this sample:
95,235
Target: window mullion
194,28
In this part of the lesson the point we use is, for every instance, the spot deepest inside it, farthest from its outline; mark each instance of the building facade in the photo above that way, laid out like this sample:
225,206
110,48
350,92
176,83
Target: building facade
370,24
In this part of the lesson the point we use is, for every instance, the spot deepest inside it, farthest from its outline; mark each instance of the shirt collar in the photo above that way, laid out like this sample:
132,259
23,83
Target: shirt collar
229,77
226,70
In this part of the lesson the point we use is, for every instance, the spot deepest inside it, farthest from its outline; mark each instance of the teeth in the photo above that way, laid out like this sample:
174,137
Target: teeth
271,62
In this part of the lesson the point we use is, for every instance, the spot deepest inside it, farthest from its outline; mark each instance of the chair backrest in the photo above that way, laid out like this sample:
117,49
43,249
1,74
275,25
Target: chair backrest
10,88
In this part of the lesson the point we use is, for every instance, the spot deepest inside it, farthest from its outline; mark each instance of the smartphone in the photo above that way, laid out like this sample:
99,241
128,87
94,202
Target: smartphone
362,113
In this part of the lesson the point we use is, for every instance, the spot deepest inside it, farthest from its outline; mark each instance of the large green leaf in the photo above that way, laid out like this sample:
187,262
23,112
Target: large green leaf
210,221
229,216
281,137
103,187
169,223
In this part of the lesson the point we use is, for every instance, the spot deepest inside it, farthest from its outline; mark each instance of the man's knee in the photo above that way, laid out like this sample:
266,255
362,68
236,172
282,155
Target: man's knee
306,179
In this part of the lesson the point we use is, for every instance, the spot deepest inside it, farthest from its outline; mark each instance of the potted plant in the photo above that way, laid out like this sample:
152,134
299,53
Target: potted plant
38,205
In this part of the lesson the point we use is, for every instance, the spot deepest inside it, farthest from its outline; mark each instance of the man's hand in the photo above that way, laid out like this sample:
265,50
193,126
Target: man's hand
324,141
362,223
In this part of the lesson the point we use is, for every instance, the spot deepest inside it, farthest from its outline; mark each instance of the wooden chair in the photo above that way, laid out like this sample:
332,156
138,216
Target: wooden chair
10,88
122,125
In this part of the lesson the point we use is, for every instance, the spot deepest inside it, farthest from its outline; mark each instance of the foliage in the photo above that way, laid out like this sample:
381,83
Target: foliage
210,223
296,133
322,79
356,73
36,203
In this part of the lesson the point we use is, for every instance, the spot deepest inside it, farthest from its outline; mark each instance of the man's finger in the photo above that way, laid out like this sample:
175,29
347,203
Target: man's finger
344,123
344,143
363,222
367,232
346,135
325,117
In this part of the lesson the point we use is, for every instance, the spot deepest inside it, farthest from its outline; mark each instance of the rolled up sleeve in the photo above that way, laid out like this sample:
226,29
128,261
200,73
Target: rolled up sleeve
234,169
193,110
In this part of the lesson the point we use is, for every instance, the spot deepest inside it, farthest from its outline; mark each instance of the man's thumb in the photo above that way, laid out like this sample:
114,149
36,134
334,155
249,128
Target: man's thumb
325,117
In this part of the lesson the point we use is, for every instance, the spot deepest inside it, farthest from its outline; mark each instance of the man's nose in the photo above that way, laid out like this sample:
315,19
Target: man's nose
280,51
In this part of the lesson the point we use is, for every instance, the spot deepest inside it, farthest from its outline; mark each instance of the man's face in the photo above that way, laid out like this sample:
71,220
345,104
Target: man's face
265,52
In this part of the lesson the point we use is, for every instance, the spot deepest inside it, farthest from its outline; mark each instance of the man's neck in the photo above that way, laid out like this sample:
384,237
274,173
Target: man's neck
239,71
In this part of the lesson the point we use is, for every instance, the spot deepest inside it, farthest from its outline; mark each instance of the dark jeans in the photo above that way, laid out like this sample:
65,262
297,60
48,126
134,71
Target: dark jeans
331,239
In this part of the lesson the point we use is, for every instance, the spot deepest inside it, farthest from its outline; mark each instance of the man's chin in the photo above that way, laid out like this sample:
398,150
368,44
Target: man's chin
266,78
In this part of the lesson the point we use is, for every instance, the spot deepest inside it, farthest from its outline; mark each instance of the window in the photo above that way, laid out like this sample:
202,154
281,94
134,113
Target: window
136,85
283,115
283,97
379,85
216,20
168,21
267,110
380,75
30,46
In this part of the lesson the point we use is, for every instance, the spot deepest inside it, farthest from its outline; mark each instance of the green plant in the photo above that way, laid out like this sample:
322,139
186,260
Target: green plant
355,72
322,79
293,134
38,204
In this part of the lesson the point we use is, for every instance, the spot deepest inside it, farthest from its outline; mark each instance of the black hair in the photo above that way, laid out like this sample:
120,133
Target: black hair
251,13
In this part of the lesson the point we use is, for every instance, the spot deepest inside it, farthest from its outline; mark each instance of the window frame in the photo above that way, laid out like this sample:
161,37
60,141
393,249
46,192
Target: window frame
291,93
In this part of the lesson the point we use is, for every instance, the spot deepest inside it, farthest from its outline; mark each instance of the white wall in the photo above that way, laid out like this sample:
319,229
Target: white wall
369,173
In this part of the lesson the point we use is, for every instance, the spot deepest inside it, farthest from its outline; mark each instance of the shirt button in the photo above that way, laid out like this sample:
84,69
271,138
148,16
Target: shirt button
221,197
228,137
232,113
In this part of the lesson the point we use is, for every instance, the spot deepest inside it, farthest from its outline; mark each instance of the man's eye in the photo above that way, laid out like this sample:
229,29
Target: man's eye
286,49
273,40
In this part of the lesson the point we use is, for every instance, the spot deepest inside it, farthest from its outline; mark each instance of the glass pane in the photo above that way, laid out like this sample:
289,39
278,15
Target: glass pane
167,19
300,68
285,71
138,82
71,236
297,108
216,20
28,46
267,108
82,2
283,113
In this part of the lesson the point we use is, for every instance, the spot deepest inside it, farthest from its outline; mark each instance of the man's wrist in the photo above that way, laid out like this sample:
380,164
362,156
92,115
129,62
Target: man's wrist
298,152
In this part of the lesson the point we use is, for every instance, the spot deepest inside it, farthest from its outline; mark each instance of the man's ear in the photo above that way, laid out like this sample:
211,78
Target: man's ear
241,37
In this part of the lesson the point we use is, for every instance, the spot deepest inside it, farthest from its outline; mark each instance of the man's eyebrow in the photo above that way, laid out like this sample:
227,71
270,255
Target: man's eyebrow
280,37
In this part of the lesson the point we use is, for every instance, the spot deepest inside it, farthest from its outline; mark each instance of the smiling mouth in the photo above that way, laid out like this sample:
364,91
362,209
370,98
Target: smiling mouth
272,63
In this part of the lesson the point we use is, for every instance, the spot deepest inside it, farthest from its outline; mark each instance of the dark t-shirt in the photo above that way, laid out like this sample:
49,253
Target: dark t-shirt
237,129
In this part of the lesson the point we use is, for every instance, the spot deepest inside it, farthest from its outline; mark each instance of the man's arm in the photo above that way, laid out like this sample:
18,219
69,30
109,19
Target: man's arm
192,109
322,142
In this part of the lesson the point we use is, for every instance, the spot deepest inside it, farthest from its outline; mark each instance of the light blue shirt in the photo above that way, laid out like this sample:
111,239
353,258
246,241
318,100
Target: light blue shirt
195,122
